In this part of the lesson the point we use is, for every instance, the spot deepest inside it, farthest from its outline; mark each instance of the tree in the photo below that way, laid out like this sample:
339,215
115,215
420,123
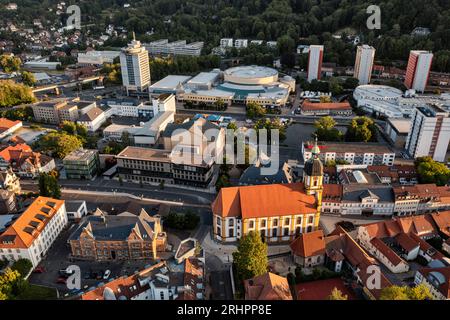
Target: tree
337,294
7,280
326,131
222,182
420,292
59,144
13,94
48,186
10,63
254,110
431,171
23,266
351,83
251,256
361,129
28,78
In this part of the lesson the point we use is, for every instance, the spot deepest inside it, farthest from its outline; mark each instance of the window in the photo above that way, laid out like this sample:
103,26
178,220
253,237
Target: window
274,232
218,221
275,222
287,221
251,224
298,231
263,223
299,220
310,219
230,233
286,232
231,222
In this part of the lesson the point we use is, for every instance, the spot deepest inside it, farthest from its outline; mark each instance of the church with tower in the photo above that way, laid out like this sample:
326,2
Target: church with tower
278,212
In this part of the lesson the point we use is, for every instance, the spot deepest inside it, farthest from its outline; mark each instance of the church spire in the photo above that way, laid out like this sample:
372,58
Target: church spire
315,150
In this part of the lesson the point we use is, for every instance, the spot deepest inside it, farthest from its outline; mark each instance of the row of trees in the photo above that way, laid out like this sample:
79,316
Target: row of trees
361,129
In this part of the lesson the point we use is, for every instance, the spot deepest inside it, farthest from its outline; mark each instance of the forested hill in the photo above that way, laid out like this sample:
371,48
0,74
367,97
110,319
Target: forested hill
308,21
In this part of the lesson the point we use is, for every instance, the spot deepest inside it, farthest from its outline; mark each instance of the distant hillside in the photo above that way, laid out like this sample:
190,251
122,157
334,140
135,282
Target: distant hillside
306,21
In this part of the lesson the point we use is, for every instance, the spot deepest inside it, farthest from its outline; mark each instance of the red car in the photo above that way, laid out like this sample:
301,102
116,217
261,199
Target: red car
61,280
39,270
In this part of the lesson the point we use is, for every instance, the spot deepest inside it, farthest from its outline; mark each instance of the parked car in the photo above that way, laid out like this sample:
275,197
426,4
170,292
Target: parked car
106,274
39,270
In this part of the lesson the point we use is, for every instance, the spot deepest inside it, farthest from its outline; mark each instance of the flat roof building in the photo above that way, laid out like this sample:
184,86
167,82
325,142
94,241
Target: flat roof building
430,133
315,59
81,164
364,63
418,69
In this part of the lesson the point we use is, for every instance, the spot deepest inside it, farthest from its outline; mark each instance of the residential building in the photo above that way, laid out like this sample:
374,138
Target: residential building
352,153
327,108
134,62
156,282
82,164
430,133
418,70
31,235
9,181
308,250
437,280
61,109
24,162
97,57
125,236
226,43
124,107
8,127
364,63
8,202
240,43
76,209
268,286
315,62
93,119
180,47
278,212
156,166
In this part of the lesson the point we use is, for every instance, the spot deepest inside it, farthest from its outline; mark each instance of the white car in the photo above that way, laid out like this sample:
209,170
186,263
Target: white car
106,274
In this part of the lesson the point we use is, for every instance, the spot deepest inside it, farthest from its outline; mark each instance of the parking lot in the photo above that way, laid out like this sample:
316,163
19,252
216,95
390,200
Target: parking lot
58,258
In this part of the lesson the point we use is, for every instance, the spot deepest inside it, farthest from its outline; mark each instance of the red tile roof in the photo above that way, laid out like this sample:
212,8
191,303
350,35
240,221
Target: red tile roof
264,201
386,251
312,106
406,242
309,244
268,286
444,273
442,220
321,289
6,124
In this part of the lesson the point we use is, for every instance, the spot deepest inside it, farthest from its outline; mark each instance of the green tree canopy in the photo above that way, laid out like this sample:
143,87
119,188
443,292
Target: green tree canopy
13,94
48,186
251,256
431,171
10,63
326,131
255,110
361,129
28,78
420,292
59,144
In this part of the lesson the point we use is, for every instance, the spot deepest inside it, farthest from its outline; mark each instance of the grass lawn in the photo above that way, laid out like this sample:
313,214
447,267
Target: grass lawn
35,292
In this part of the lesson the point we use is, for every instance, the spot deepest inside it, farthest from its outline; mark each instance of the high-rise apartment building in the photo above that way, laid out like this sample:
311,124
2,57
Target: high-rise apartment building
364,63
135,67
418,70
315,62
430,133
